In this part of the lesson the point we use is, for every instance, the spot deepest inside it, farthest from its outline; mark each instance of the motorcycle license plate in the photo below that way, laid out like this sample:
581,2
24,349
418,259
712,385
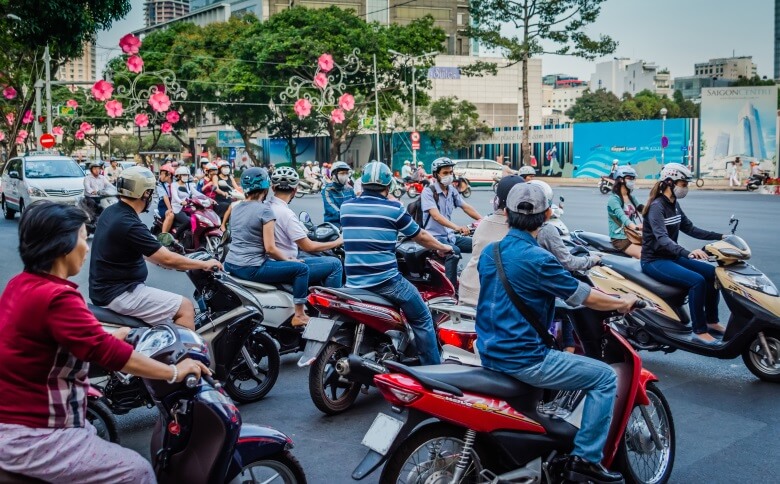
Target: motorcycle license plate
382,433
318,329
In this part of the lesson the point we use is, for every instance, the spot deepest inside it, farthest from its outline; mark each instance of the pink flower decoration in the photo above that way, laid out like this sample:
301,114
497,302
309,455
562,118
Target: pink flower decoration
9,92
114,108
159,101
135,64
79,135
85,127
21,135
325,62
28,117
2,136
130,44
347,102
302,108
337,116
72,103
321,80
166,127
102,90
10,117
57,131
141,120
172,117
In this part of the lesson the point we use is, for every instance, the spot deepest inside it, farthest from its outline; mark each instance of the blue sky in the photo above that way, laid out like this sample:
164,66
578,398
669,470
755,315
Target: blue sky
672,33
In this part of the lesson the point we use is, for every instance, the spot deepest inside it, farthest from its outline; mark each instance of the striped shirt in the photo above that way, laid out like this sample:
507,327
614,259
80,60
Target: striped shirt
371,225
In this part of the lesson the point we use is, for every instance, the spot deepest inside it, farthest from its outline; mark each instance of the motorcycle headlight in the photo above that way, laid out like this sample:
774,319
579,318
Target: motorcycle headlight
758,282
155,340
321,232
35,192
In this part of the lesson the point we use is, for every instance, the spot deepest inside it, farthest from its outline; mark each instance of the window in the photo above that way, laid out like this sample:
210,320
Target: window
492,165
476,164
14,165
411,13
460,19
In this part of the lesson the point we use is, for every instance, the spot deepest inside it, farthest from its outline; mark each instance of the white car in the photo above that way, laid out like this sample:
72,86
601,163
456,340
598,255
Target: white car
29,178
478,172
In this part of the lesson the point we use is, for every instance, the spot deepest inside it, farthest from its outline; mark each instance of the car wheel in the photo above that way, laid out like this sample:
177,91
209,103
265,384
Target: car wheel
8,213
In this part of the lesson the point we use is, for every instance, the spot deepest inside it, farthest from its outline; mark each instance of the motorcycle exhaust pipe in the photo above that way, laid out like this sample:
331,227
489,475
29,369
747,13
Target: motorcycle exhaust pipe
360,369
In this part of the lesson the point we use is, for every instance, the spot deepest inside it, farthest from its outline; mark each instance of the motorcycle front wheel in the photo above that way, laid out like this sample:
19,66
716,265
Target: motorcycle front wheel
282,468
398,193
466,193
299,193
250,379
329,393
215,247
757,361
101,417
412,192
604,189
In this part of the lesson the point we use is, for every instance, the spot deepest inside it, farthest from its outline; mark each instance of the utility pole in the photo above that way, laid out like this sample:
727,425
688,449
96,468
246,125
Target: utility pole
376,98
37,126
47,60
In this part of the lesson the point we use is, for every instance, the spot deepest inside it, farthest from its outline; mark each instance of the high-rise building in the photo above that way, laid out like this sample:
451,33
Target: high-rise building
731,68
777,39
160,11
623,75
82,69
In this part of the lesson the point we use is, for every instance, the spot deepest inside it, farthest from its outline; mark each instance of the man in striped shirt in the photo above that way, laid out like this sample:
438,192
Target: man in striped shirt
371,224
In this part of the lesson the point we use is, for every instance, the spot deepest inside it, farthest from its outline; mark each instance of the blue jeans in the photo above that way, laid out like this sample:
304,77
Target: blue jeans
402,293
462,245
324,270
696,276
566,371
279,272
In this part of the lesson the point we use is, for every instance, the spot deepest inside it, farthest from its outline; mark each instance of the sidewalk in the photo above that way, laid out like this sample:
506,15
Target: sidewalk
709,183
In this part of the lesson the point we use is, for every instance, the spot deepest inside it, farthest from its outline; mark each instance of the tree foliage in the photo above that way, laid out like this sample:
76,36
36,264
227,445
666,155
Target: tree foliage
602,105
452,125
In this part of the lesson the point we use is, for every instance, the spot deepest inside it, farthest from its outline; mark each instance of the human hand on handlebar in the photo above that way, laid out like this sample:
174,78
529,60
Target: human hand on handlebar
464,230
698,254
628,302
212,265
189,367
447,249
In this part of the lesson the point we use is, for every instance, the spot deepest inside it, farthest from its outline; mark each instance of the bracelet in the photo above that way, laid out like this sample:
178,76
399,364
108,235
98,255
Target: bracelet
175,374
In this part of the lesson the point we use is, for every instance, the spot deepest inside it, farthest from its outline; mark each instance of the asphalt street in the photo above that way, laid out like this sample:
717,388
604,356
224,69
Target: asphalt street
726,420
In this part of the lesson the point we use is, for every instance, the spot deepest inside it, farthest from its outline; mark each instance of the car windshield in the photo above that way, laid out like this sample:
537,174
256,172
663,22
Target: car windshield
52,169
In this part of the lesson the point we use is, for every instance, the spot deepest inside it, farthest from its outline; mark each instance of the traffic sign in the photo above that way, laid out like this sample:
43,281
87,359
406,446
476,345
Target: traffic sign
48,140
664,141
415,136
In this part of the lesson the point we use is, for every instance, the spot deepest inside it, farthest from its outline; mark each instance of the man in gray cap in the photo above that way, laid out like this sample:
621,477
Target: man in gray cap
509,343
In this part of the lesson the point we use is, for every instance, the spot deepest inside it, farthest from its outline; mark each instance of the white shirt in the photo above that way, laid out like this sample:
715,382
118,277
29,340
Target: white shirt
288,228
94,184
112,173
406,171
307,172
316,170
177,198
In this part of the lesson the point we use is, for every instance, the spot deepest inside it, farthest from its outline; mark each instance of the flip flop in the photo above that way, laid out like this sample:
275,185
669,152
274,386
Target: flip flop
699,340
715,332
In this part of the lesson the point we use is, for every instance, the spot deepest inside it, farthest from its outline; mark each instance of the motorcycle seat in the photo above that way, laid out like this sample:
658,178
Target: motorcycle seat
599,242
259,286
105,315
360,295
631,269
474,379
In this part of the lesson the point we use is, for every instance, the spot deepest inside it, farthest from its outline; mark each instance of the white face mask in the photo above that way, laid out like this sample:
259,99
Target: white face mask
184,179
225,170
343,179
446,180
630,184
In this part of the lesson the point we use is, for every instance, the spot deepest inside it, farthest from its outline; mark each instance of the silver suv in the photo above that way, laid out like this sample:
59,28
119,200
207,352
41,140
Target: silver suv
29,178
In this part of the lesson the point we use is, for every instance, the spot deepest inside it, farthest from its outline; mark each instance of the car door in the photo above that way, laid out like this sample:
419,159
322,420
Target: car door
12,186
492,170
476,172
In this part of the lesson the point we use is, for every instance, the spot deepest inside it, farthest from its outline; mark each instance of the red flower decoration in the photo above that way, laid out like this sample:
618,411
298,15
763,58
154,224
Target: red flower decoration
135,64
28,117
79,135
325,62
57,131
321,80
9,92
2,136
102,90
85,127
21,135
347,102
114,108
166,127
71,103
159,101
337,116
10,117
172,117
142,120
130,44
302,108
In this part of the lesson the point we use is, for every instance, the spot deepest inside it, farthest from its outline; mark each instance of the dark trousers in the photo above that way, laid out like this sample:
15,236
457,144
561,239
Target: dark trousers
462,245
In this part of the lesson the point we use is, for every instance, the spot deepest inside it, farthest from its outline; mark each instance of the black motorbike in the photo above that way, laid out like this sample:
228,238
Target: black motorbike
756,181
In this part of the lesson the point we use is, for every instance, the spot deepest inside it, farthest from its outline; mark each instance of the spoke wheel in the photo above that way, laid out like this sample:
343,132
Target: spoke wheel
241,383
640,460
282,468
329,391
756,359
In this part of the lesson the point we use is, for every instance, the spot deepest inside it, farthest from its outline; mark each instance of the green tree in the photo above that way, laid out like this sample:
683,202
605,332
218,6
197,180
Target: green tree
543,27
600,105
605,106
452,125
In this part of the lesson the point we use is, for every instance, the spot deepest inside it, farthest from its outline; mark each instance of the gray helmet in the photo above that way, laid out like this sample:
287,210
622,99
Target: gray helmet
339,166
440,163
284,177
624,171
526,170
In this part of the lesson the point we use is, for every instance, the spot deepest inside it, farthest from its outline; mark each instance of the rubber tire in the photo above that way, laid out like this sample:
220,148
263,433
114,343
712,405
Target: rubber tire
272,351
700,182
287,459
621,458
8,213
97,409
752,188
412,193
466,193
753,369
398,193
495,188
316,390
604,189
395,463
299,194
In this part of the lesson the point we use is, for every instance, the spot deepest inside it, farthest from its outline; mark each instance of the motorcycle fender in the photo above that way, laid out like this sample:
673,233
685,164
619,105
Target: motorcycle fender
216,232
93,392
316,338
254,443
645,377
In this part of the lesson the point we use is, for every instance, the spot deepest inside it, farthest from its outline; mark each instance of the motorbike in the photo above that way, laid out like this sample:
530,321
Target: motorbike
756,181
245,356
605,185
232,192
595,242
306,188
753,329
413,188
463,185
202,234
557,221
460,423
94,206
496,181
358,326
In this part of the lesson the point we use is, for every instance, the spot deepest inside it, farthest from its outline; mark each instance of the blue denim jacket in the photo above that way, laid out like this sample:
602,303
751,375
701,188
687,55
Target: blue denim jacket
333,196
505,340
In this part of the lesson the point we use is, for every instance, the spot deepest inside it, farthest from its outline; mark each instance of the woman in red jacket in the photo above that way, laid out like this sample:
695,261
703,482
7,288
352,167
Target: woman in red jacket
49,339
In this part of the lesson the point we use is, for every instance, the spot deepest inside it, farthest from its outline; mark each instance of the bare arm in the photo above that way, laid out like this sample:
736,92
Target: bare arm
145,367
427,240
170,260
602,302
308,245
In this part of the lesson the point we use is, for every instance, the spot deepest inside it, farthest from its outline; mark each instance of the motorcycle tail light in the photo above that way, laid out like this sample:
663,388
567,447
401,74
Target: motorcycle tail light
397,396
319,301
458,339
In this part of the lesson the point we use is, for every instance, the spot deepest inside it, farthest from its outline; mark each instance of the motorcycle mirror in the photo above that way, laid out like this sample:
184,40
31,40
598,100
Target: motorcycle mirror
165,239
304,217
561,199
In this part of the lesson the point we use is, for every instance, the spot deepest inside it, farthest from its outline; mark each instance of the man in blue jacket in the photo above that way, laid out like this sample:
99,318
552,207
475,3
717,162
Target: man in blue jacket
337,192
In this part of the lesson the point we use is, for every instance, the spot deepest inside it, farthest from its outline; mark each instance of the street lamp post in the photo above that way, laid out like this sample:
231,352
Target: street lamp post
413,59
663,133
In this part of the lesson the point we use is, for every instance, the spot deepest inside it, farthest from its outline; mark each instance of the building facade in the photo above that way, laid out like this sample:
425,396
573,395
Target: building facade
161,11
777,39
731,68
83,69
691,86
557,101
623,75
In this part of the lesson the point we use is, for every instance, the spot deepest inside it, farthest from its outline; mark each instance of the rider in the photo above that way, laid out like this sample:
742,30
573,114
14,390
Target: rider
507,170
438,204
223,197
508,343
614,168
164,206
253,254
201,173
181,190
337,191
51,337
419,174
406,171
371,225
310,176
669,263
113,170
117,270
291,235
623,211
527,172
95,184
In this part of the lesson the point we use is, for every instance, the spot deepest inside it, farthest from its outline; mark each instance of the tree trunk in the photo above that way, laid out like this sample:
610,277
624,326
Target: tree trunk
526,145
247,137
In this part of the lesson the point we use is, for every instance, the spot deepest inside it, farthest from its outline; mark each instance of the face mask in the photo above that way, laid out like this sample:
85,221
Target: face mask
184,179
342,179
225,170
680,192
630,184
446,180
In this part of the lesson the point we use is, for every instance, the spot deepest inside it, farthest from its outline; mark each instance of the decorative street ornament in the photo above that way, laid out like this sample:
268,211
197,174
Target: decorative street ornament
302,108
166,127
141,120
159,101
21,136
72,103
102,90
130,44
28,117
172,117
57,131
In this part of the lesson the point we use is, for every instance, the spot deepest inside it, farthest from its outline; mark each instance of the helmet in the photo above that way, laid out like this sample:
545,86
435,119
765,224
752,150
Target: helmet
204,160
134,182
376,175
316,162
96,163
284,177
168,167
308,162
255,179
624,171
339,166
211,166
407,162
675,171
182,170
615,161
526,170
223,163
548,192
503,188
440,163
419,163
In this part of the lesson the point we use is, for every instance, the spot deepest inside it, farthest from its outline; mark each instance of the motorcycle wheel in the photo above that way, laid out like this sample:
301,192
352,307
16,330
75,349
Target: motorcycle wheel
604,189
755,359
330,395
466,193
638,458
495,187
751,187
214,247
398,193
299,194
101,417
431,455
263,350
278,468
412,192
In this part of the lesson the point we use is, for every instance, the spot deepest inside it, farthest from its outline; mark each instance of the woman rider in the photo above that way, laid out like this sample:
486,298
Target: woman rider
253,254
49,339
669,263
623,211
223,198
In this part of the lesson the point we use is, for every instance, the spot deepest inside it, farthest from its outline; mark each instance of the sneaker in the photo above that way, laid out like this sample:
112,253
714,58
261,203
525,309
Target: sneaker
579,470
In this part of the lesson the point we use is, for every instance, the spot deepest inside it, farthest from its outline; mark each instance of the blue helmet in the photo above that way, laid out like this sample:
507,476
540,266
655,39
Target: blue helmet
376,176
255,179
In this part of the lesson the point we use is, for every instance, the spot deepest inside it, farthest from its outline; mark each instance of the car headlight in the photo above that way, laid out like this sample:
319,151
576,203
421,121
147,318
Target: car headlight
35,192
758,282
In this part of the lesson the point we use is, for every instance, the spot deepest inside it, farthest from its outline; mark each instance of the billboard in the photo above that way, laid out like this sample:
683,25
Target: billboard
637,143
229,139
738,121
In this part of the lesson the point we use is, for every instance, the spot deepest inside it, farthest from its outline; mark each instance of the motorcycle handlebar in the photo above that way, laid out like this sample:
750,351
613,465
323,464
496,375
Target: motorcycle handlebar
640,304
192,381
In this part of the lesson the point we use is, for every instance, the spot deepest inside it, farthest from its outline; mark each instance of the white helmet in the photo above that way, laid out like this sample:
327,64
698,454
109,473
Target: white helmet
210,166
182,170
548,191
223,163
284,177
526,170
675,171
407,162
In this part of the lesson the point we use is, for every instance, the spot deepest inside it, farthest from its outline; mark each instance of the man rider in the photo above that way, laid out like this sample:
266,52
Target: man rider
507,170
113,171
371,224
439,200
336,192
95,184
311,177
508,343
117,272
527,172
406,171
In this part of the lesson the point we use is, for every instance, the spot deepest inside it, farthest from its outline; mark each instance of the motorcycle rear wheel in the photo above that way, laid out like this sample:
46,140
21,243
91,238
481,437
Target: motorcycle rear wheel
101,417
466,193
278,468
299,193
324,382
263,350
412,192
755,359
604,189
398,193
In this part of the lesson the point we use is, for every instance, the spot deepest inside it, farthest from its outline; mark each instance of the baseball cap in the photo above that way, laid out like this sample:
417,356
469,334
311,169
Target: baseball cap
504,186
530,194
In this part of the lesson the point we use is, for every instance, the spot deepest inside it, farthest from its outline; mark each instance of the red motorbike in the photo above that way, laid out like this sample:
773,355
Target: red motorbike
359,331
459,423
202,234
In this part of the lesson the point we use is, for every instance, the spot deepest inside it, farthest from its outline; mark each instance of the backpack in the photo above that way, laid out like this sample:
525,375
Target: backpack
415,208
